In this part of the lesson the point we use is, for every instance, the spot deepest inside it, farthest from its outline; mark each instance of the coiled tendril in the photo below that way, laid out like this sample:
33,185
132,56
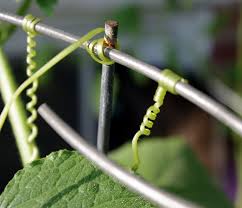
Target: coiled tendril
97,45
29,26
147,124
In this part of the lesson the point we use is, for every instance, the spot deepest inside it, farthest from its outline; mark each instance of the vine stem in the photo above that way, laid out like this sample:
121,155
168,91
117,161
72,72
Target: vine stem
17,114
44,69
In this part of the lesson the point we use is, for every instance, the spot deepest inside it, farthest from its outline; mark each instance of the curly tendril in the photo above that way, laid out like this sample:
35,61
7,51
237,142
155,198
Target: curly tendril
29,23
147,124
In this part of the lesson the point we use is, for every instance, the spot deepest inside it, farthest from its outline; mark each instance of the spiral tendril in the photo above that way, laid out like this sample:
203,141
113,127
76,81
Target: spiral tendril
29,26
147,124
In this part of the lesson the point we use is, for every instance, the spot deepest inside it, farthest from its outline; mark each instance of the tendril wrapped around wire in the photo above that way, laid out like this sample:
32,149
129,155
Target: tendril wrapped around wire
147,124
29,26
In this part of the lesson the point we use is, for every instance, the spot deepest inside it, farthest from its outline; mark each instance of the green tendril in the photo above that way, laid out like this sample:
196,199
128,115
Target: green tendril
167,83
29,23
147,124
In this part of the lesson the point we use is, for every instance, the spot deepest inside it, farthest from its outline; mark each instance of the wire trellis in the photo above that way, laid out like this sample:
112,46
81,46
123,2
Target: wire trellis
185,90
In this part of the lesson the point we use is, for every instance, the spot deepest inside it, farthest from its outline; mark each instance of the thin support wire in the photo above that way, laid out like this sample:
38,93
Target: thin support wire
105,108
226,95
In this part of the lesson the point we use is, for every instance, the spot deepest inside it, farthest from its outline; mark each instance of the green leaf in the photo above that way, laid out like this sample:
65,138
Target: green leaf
47,6
170,164
129,17
65,179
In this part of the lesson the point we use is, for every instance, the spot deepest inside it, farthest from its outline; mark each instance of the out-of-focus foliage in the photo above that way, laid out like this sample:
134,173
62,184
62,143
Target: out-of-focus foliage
47,6
129,18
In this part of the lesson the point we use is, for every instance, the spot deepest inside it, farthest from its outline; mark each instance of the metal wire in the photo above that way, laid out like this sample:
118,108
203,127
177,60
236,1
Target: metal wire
225,94
183,89
105,108
151,193
211,106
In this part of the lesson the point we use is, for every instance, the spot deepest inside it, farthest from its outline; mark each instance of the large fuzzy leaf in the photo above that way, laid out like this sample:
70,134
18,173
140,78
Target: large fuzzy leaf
65,179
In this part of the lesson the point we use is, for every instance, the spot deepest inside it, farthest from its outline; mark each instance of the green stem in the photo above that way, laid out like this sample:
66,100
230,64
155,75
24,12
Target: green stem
8,30
17,113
